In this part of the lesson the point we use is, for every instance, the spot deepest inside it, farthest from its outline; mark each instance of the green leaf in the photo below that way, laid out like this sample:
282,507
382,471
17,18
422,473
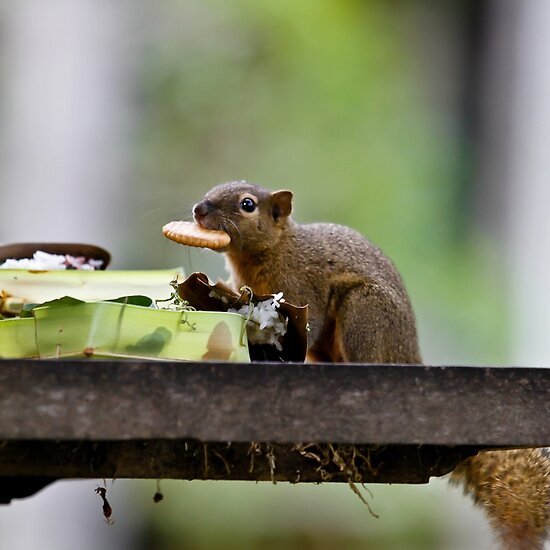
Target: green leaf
111,329
137,300
28,309
29,287
17,339
126,327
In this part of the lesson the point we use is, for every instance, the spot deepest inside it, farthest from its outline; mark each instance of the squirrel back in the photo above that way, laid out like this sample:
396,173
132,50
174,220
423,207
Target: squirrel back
359,310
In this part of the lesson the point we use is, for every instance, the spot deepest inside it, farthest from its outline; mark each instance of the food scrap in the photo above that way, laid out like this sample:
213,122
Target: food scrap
107,510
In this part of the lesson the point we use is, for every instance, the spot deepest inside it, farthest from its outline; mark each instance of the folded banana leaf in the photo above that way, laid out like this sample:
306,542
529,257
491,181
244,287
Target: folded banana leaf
200,293
71,328
17,339
19,287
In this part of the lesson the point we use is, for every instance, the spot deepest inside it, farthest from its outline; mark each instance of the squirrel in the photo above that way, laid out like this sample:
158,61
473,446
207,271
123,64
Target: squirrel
345,280
360,312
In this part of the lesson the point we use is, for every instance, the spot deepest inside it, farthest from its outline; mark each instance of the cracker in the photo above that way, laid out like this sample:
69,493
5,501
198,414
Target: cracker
192,234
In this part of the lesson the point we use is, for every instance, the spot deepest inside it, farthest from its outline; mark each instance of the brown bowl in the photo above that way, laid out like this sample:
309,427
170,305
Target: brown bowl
18,251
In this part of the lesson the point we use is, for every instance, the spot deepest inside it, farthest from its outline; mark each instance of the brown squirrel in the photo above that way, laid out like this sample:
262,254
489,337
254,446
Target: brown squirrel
359,311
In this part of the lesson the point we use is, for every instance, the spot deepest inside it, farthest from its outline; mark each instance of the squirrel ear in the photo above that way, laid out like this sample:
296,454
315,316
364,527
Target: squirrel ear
281,203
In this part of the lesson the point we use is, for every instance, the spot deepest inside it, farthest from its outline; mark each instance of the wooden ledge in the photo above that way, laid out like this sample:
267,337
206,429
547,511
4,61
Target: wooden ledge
280,403
399,423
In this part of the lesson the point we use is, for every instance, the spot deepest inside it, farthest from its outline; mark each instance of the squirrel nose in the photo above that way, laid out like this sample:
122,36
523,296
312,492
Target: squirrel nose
201,209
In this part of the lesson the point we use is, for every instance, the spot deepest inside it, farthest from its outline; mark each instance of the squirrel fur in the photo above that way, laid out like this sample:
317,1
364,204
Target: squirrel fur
359,311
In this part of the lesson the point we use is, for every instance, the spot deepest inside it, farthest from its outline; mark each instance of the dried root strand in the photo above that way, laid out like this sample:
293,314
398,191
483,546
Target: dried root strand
254,449
205,454
270,455
337,460
354,488
225,463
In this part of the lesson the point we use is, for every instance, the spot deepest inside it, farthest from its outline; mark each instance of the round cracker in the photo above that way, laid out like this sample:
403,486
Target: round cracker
192,234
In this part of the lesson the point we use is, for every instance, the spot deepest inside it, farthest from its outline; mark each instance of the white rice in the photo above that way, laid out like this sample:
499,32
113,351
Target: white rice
42,261
265,324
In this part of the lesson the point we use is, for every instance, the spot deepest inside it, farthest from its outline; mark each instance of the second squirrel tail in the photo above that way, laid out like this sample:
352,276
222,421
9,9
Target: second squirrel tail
514,489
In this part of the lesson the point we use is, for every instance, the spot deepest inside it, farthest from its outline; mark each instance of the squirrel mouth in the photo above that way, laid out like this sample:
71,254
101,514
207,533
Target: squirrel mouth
205,223
207,217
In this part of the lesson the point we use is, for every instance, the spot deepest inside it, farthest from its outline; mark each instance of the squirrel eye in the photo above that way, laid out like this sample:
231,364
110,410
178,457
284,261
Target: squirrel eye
248,205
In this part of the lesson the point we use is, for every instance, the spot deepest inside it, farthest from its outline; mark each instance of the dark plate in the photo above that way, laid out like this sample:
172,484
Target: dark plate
18,251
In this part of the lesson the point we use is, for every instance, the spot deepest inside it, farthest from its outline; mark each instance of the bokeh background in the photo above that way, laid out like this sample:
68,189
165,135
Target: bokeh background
424,125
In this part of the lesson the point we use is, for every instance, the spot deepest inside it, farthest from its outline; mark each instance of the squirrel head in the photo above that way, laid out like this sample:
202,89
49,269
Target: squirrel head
253,217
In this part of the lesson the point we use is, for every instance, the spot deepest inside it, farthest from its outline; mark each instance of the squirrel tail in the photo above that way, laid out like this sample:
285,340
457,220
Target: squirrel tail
514,489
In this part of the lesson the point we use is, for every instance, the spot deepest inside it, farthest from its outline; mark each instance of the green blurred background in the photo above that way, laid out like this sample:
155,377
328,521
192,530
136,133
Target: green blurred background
343,103
376,114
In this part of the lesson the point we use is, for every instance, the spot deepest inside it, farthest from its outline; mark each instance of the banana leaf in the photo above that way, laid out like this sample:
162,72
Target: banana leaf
200,293
17,339
19,287
70,328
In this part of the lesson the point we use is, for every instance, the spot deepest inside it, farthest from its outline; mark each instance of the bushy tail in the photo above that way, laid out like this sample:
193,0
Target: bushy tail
514,489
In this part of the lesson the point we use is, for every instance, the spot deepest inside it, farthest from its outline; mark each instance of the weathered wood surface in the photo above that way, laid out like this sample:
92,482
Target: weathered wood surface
144,419
280,403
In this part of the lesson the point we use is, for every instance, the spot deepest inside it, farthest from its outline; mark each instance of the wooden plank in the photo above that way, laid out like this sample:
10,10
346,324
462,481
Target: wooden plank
137,419
279,403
